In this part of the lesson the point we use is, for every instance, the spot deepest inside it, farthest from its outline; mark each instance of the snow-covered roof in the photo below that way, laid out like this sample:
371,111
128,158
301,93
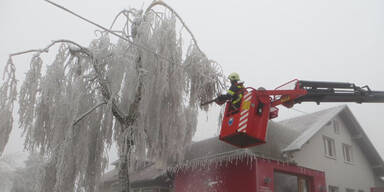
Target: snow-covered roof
213,149
283,136
363,141
277,138
309,125
148,173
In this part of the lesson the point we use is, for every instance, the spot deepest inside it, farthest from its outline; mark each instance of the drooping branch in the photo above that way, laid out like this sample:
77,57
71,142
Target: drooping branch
126,14
109,31
46,49
123,12
8,93
87,113
162,3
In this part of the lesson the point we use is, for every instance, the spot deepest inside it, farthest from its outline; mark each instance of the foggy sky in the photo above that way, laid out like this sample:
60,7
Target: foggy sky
268,42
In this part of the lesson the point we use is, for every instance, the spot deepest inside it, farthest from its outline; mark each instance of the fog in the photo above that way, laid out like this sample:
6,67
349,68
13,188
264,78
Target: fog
268,42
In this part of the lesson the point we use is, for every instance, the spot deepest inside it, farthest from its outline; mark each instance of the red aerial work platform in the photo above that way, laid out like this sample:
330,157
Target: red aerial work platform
247,125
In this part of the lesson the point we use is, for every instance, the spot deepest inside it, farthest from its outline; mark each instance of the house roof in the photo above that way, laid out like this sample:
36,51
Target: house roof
363,141
278,136
212,148
284,136
310,124
150,172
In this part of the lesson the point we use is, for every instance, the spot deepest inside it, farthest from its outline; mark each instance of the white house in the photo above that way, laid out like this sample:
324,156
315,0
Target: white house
333,141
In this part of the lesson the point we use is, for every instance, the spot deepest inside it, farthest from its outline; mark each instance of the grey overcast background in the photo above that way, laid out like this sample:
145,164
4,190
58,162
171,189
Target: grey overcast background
268,42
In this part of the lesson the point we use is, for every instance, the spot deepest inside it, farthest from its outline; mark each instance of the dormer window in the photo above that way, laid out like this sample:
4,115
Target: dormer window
336,127
334,124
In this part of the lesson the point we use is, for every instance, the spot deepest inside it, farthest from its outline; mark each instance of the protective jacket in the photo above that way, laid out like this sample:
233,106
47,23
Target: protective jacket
234,94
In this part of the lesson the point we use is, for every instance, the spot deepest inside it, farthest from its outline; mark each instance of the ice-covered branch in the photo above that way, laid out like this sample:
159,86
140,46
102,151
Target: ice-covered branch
8,94
46,49
88,112
125,13
110,31
162,3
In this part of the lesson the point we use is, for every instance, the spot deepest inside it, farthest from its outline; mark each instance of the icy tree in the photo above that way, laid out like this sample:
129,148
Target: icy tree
142,91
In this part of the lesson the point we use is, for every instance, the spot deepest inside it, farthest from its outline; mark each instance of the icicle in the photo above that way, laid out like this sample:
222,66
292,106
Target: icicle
7,97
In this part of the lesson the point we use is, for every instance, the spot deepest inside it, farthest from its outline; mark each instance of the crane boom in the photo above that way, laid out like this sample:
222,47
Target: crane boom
318,92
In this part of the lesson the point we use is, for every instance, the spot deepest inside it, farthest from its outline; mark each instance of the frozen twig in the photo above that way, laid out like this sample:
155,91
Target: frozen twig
161,3
116,17
87,112
123,12
46,49
109,31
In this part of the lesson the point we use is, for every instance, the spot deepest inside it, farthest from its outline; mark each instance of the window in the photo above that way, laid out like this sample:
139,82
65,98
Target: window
347,152
349,190
284,182
329,147
333,189
336,127
303,184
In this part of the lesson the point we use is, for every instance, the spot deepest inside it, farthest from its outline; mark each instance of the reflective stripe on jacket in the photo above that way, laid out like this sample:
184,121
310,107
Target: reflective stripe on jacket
236,93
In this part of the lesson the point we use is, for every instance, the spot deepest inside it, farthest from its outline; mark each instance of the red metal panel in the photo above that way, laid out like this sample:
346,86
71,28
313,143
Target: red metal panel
243,175
259,122
265,171
247,126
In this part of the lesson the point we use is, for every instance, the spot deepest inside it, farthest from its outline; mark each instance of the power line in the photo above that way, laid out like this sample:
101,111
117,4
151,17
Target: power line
109,31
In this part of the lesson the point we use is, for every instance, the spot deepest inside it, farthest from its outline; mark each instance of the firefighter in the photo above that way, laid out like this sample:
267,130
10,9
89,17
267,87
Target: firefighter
234,93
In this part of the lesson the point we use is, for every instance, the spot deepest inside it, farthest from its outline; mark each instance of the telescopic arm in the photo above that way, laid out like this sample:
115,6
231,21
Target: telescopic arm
318,92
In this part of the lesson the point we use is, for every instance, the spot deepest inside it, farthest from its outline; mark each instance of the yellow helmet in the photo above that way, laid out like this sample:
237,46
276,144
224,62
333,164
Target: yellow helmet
234,77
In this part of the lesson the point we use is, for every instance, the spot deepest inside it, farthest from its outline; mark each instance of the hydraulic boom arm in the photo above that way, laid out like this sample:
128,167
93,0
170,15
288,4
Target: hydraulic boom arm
318,92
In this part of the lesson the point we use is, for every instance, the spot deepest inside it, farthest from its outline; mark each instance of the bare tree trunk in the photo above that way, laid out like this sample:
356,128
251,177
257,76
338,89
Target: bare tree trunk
125,121
124,182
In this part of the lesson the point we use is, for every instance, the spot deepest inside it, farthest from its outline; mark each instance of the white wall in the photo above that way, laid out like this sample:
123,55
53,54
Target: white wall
357,175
